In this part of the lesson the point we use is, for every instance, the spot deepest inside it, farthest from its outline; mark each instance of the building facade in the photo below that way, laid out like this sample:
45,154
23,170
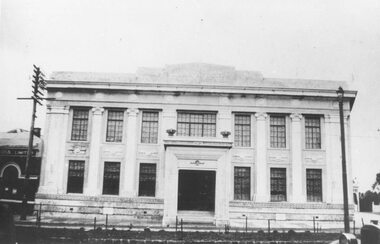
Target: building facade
201,142
13,152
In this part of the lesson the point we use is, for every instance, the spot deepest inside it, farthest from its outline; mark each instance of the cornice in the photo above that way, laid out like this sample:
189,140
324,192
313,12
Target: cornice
190,88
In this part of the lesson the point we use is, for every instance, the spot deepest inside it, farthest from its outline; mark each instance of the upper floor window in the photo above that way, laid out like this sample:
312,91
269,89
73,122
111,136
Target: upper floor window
196,124
80,124
149,127
278,184
314,185
115,126
242,130
277,131
313,132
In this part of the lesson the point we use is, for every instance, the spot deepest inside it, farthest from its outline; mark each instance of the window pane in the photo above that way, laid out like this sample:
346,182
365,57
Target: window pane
313,132
147,180
277,131
115,126
242,183
75,177
242,130
314,185
149,127
278,184
111,178
196,124
80,125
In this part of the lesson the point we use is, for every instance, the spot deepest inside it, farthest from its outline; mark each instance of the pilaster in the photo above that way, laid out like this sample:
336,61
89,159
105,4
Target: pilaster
297,172
169,120
224,121
334,160
54,153
262,193
128,184
93,188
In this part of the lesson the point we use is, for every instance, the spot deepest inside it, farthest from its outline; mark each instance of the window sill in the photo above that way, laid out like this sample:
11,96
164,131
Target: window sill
148,144
314,150
110,195
235,147
113,143
278,148
71,141
147,197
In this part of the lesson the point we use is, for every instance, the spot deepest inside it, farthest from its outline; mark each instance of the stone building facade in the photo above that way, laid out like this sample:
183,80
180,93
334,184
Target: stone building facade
201,142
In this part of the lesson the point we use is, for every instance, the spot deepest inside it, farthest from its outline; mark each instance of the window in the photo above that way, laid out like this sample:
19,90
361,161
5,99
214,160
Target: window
277,131
75,177
80,125
111,178
196,124
147,182
242,183
314,185
242,130
278,184
115,126
313,132
149,127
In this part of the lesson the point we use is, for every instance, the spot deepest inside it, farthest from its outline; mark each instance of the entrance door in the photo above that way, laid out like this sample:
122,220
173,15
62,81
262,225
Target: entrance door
196,190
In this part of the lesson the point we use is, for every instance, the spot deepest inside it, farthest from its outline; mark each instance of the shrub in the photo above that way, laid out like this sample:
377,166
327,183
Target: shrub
291,234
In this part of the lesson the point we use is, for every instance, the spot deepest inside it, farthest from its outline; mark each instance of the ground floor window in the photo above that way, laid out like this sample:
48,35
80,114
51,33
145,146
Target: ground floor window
242,183
278,184
314,185
111,178
75,176
147,180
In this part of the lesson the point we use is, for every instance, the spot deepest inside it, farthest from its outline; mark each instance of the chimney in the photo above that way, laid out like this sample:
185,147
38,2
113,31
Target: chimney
37,132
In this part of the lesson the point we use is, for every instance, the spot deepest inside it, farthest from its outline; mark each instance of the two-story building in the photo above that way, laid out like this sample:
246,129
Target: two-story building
201,142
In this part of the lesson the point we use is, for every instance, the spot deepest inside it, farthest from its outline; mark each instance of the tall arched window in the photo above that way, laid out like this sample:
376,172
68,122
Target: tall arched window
10,182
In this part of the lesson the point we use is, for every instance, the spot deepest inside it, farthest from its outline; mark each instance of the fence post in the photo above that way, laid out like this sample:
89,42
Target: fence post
106,221
181,229
94,223
176,223
269,228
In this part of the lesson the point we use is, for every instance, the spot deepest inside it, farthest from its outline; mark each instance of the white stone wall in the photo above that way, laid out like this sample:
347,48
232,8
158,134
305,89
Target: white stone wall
59,149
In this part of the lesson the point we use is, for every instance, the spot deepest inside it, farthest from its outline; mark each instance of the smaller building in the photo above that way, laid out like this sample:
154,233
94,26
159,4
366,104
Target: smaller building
13,152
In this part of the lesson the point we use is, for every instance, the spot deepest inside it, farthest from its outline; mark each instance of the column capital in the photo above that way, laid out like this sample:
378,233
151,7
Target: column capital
132,111
296,117
97,110
261,116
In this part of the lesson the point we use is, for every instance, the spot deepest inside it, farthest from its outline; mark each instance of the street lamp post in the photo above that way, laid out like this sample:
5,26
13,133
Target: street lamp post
314,218
246,222
340,94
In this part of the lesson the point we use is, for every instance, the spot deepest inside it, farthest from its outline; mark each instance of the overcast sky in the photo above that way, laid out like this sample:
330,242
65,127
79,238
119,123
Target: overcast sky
332,40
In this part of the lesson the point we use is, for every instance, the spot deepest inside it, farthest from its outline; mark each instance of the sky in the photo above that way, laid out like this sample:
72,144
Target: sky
330,40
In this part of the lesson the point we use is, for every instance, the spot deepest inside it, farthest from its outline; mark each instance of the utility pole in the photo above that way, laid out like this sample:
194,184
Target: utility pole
39,85
340,93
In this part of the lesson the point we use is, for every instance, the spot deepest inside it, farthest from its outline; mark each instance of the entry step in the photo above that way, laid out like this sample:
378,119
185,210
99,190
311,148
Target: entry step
197,217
